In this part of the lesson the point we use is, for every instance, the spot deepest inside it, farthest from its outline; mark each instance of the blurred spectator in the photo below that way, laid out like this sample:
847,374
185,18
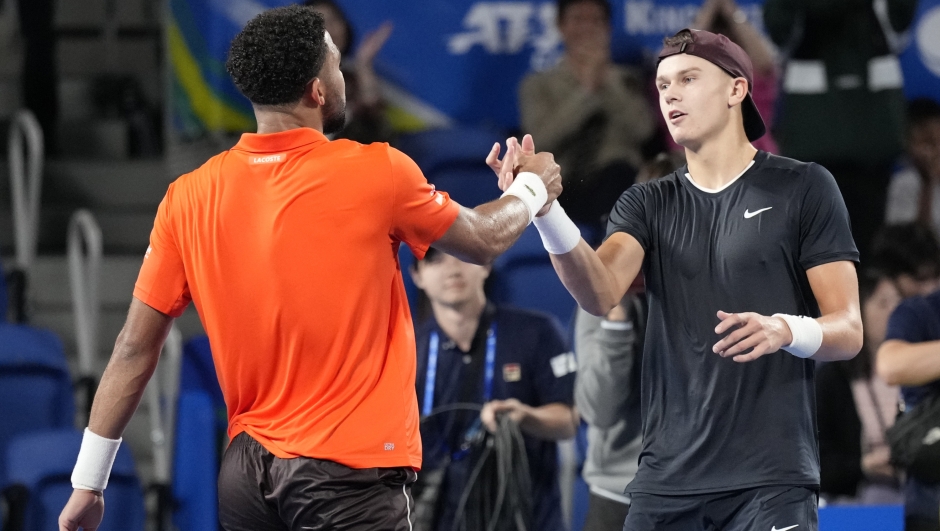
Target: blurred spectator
726,18
592,114
908,255
856,407
909,358
607,389
365,107
914,193
842,104
512,362
607,394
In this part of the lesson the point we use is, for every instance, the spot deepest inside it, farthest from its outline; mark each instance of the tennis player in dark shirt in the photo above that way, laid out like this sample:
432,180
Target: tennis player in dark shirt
750,273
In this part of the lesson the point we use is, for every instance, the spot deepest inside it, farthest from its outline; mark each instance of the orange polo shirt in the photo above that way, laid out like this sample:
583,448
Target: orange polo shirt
288,245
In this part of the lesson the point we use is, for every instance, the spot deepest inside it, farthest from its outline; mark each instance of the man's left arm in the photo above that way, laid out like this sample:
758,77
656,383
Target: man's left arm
551,422
835,286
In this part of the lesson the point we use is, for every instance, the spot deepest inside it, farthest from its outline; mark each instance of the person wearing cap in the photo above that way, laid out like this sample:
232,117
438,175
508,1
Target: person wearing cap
749,266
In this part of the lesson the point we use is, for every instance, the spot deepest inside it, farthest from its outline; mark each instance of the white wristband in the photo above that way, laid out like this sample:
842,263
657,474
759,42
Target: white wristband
806,332
530,188
559,234
93,466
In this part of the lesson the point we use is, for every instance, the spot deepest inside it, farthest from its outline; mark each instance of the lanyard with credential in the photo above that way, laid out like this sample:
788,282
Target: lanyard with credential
434,347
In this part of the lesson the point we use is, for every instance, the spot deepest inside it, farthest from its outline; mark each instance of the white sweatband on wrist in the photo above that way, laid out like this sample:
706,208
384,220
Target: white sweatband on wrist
530,188
93,466
806,332
559,234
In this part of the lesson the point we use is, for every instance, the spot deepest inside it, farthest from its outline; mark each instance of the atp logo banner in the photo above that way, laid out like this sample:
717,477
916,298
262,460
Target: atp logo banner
466,58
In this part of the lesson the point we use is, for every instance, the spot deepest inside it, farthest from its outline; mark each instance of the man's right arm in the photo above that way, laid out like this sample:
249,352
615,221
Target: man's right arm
481,234
598,280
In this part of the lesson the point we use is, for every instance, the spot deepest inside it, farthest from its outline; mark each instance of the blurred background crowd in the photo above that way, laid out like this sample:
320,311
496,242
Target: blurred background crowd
104,102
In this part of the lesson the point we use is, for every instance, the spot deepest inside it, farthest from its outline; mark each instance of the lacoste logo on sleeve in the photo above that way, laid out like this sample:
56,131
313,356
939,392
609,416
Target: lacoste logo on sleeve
531,191
748,215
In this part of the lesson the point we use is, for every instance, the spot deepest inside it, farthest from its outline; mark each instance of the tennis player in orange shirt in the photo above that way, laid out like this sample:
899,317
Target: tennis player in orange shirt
288,246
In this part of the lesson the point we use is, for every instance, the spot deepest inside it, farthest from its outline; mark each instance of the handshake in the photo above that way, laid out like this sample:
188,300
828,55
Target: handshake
522,158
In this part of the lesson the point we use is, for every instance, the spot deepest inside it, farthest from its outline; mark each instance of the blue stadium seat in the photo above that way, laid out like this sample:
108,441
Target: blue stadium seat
526,278
201,425
458,147
42,462
197,372
195,464
4,297
405,259
35,386
468,186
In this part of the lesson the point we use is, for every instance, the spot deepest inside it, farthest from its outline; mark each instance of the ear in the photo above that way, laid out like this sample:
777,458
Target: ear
738,91
317,92
416,276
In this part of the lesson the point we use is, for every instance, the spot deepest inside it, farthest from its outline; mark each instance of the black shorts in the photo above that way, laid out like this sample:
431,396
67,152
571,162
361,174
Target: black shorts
261,492
774,508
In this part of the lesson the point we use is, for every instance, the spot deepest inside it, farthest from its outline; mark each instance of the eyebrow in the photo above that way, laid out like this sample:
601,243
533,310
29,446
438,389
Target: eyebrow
680,74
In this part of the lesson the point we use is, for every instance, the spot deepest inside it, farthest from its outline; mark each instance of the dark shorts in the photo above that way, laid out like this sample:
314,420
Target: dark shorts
760,509
261,492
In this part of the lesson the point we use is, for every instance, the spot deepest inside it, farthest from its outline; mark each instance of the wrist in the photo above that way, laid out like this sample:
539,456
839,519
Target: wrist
806,335
94,462
528,187
559,234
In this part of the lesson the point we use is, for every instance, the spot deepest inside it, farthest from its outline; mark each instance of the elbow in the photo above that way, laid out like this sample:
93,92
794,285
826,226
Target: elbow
888,371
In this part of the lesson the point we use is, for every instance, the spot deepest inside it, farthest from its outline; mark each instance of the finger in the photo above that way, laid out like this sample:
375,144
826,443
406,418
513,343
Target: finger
736,336
758,351
728,322
528,145
505,172
744,345
492,159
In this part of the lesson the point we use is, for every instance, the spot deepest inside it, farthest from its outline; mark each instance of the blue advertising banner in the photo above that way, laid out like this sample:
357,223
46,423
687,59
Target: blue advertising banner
457,61
921,60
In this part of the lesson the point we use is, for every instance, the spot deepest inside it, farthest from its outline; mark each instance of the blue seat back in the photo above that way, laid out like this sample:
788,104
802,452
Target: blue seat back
43,462
195,464
35,386
450,148
470,187
405,259
4,304
197,372
526,278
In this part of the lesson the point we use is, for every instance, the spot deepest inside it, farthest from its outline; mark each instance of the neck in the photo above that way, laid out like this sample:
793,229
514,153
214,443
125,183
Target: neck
714,164
277,120
460,321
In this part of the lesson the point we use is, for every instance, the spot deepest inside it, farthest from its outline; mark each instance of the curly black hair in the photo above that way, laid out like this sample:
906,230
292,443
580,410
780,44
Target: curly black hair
277,53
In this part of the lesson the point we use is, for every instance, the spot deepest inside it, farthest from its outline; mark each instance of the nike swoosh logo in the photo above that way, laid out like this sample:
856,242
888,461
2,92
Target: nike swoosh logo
785,528
748,215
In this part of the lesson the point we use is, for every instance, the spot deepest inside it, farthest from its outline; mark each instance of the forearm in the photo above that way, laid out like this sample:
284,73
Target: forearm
756,47
481,234
909,364
842,336
121,388
133,361
589,280
551,422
